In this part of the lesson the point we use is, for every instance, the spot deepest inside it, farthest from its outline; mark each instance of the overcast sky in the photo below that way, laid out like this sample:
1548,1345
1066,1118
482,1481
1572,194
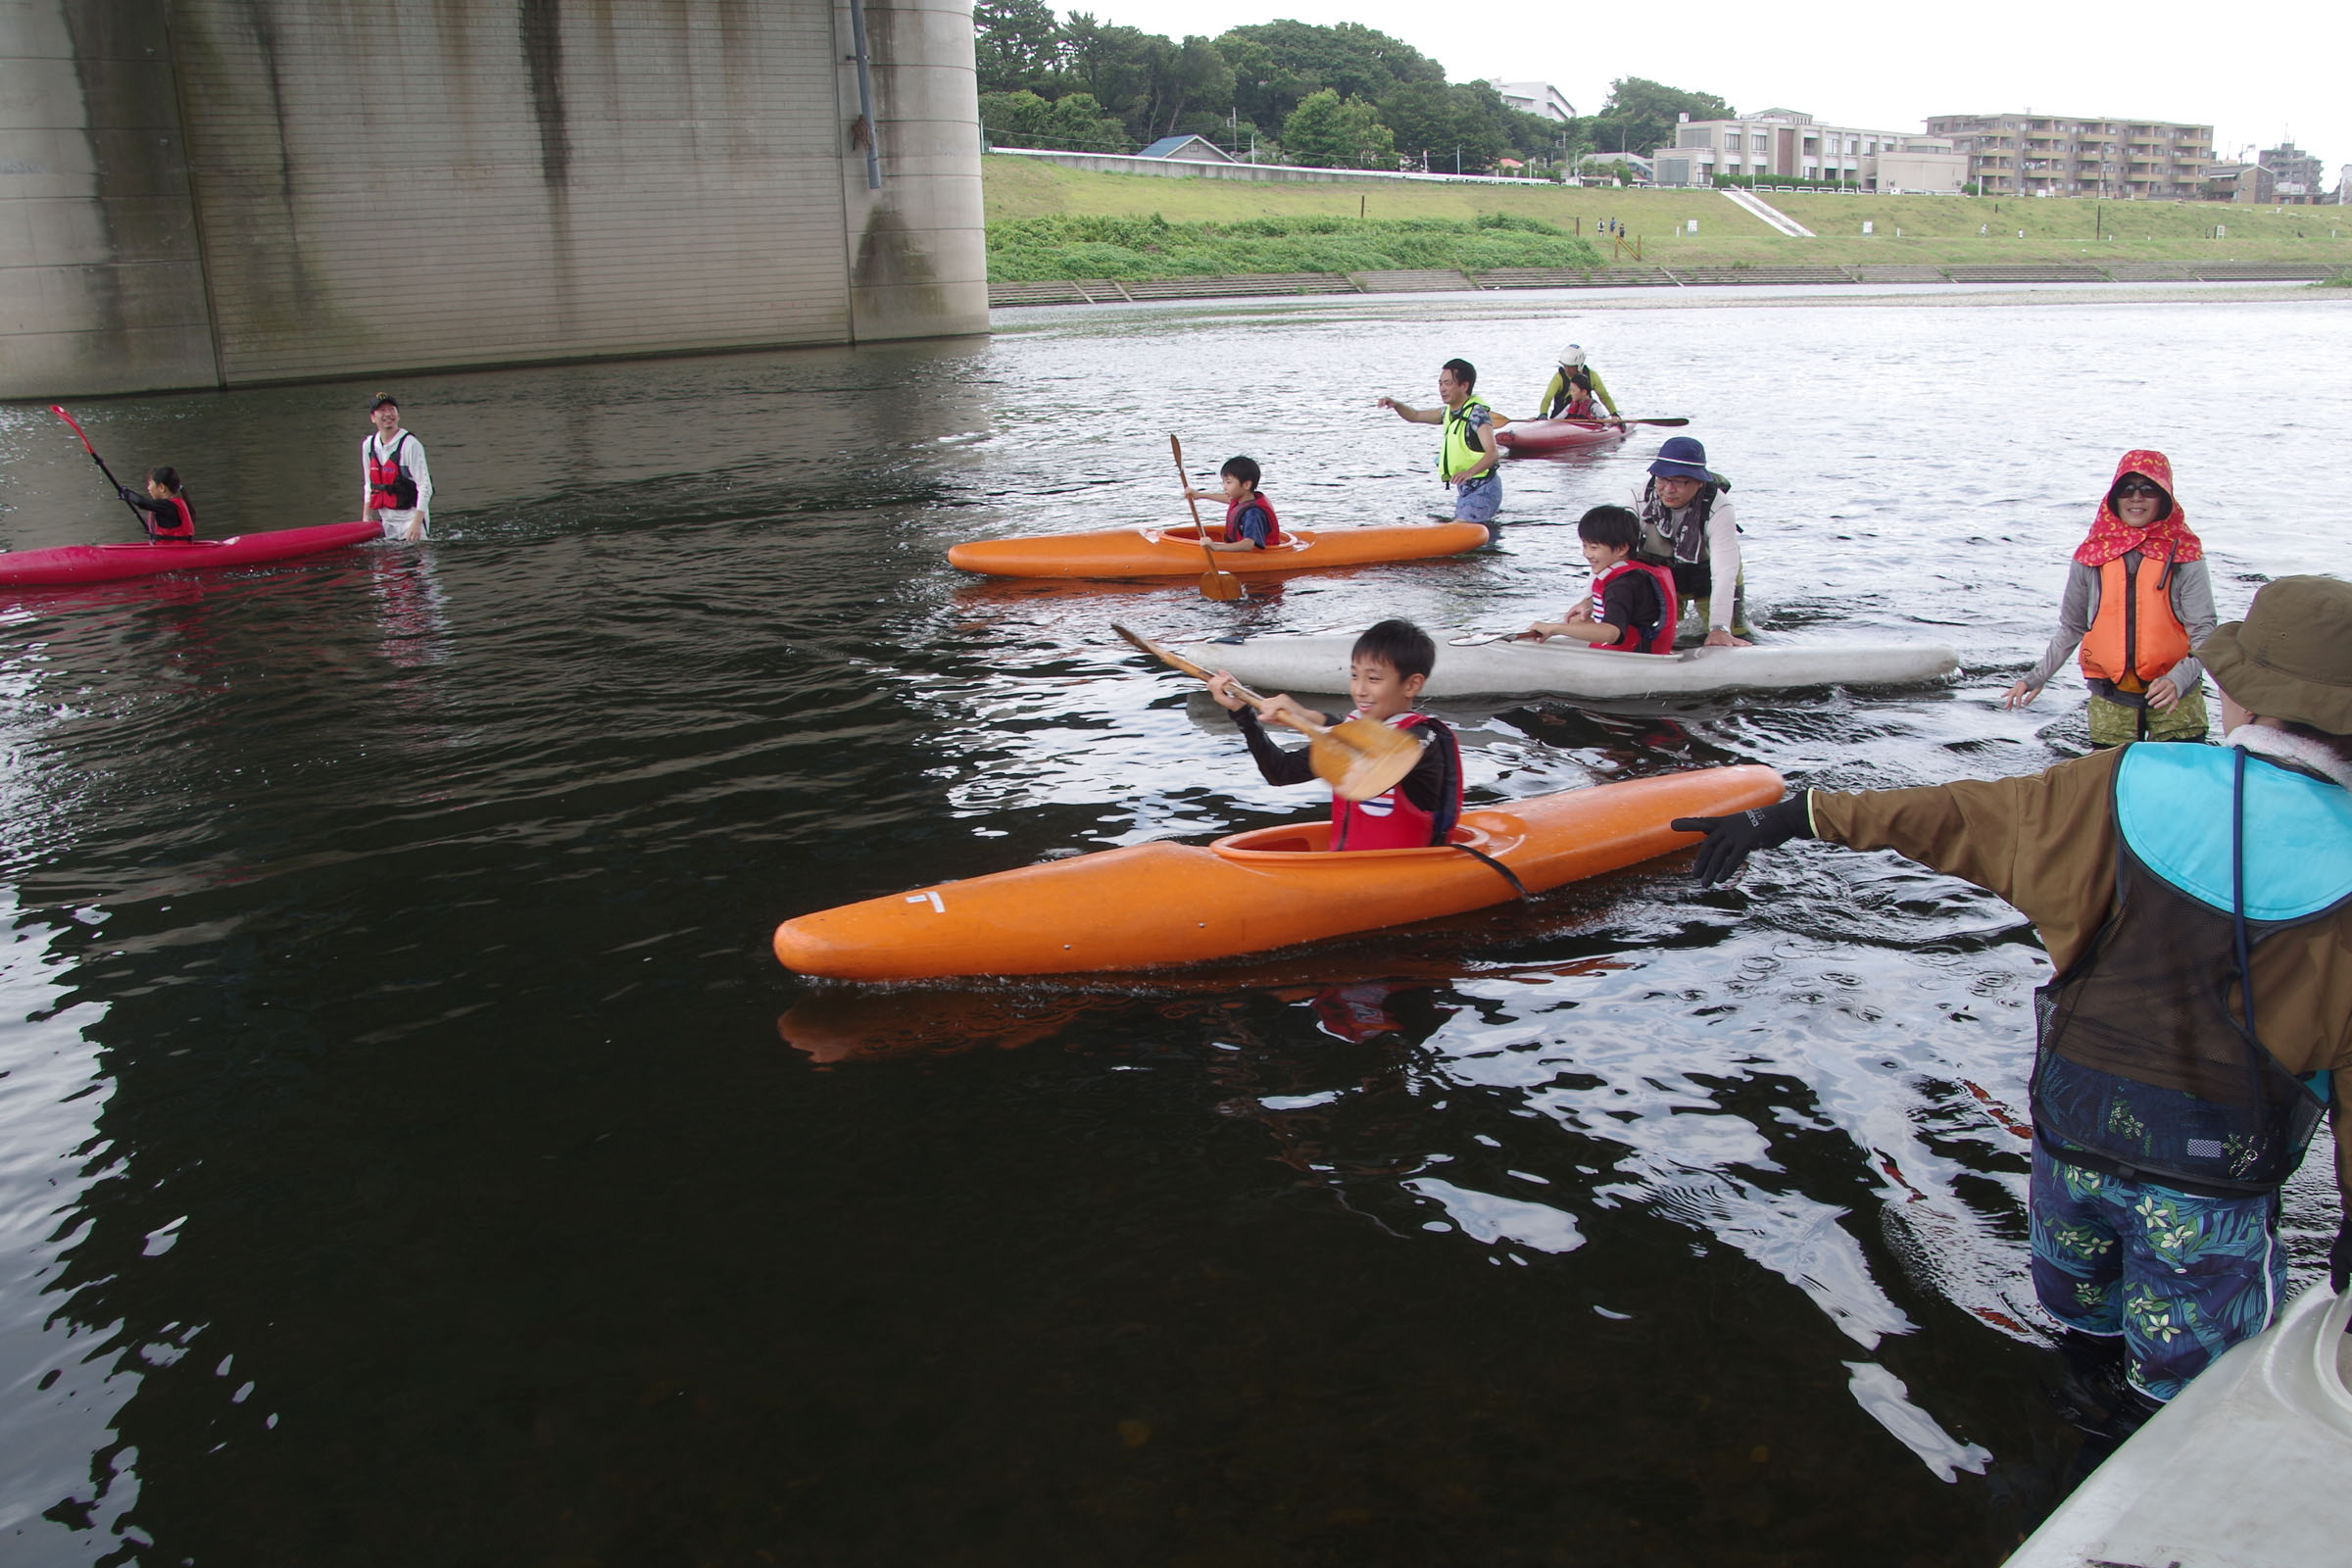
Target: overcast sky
2253,73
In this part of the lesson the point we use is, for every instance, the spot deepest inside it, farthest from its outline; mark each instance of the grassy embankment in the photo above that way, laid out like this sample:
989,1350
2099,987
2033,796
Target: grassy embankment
1936,229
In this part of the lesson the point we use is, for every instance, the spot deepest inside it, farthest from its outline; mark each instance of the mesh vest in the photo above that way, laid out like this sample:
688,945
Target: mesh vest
2150,1064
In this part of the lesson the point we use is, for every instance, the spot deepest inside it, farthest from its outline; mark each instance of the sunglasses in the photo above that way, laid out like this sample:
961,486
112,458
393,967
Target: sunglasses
2139,487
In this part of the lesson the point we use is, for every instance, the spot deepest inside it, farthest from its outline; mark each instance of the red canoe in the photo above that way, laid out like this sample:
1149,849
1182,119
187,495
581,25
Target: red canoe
67,565
1549,438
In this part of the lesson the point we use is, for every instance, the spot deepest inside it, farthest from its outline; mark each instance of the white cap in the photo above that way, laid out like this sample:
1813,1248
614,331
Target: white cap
1573,356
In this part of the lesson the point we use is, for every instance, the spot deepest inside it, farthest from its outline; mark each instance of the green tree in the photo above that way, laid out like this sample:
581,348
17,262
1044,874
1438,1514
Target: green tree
1079,125
1327,132
1441,120
1072,122
1278,65
1197,77
1015,118
1016,44
1641,114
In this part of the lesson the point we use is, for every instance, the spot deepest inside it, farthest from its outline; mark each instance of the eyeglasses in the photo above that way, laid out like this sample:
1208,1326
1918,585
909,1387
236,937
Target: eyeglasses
2139,487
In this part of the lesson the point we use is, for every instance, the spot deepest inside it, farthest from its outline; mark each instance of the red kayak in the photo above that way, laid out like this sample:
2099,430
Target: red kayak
1549,438
67,565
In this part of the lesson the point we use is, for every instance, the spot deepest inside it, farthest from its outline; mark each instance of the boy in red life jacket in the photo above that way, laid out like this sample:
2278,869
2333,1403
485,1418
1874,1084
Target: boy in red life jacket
1385,672
1249,521
1632,608
169,518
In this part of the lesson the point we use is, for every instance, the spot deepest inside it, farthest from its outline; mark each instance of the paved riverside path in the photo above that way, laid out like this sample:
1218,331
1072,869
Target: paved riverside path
1246,285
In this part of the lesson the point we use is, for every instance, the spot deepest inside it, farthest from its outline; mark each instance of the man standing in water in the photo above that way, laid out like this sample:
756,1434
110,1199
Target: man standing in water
2196,905
1687,527
396,489
1467,450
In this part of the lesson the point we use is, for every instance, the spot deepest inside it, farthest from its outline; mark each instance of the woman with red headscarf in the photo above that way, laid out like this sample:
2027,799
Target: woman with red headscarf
2138,599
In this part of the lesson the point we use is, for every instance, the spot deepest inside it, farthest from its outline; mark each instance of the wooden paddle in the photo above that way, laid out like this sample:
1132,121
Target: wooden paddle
1216,582
1359,758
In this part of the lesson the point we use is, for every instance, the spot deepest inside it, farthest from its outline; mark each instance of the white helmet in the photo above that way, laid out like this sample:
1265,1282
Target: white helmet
1572,357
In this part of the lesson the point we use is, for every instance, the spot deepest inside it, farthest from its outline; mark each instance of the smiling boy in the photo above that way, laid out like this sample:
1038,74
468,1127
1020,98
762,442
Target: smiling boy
1385,672
1632,604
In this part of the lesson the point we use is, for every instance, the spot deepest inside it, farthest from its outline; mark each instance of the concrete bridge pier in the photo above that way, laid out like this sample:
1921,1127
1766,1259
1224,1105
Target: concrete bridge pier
225,192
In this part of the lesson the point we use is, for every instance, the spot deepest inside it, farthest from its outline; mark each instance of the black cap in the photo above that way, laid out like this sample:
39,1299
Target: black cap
380,399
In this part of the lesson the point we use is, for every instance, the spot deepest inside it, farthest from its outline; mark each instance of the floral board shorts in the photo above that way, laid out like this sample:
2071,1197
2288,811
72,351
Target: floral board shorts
2180,1278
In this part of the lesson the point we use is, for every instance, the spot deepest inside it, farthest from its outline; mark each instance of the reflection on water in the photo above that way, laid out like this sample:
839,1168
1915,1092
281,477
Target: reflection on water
412,1153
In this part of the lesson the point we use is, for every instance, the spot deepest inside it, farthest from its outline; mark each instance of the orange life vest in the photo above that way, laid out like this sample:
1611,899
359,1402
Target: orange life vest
2135,637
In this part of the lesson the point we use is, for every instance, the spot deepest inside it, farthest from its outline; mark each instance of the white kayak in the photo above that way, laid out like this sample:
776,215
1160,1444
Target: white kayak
2245,1469
1564,667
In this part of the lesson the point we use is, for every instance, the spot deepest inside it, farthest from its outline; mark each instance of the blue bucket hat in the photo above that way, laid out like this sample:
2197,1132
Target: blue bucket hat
1681,458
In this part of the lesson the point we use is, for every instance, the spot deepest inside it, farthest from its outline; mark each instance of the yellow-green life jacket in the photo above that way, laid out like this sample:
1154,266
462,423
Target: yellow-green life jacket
1456,453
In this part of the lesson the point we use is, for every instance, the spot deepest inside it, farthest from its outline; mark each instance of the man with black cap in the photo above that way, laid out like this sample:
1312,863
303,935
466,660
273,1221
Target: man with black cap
396,489
2196,904
1687,527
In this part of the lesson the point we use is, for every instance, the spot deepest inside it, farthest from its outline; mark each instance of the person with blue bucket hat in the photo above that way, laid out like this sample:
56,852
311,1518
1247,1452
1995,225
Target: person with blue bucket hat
1687,527
1467,448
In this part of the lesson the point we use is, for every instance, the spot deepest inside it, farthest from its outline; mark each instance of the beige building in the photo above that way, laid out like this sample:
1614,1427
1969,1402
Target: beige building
2050,155
1783,144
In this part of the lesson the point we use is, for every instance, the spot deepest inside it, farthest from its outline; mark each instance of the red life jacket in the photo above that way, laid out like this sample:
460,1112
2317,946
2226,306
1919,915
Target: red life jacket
1658,641
1232,517
1391,821
183,529
389,487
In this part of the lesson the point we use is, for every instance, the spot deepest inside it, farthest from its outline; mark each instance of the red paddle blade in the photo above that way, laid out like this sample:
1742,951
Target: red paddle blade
69,419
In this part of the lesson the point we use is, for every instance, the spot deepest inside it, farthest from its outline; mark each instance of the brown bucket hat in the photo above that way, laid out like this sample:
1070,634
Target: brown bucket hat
2291,657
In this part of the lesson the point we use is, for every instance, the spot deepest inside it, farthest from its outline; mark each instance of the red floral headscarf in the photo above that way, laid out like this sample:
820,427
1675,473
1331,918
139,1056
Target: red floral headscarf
2168,536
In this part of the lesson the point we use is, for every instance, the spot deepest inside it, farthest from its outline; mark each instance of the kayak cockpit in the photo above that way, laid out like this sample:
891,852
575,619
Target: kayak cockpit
1492,833
1184,533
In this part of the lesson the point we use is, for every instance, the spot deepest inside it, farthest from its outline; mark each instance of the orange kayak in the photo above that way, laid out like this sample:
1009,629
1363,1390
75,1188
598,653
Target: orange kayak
1167,904
1147,551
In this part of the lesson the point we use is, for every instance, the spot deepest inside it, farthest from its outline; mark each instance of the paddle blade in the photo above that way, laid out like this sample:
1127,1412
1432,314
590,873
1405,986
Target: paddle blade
1222,586
1362,759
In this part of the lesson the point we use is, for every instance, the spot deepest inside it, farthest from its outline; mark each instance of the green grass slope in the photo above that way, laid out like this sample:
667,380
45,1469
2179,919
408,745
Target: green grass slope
1934,230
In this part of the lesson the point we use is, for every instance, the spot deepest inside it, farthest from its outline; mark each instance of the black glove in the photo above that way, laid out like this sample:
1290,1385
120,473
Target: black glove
1731,840
123,491
2340,1257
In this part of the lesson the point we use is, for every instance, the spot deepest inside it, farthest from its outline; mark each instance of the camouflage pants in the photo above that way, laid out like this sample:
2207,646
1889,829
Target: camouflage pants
2118,723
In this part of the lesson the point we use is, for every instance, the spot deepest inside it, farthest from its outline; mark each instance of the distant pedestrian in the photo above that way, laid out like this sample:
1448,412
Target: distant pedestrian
1467,449
2138,599
396,489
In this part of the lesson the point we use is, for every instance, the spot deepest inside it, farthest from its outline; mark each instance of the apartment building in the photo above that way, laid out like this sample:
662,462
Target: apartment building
2051,155
2297,172
1785,144
1535,98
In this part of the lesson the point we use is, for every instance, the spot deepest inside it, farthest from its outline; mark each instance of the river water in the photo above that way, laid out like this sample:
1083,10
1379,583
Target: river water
411,1152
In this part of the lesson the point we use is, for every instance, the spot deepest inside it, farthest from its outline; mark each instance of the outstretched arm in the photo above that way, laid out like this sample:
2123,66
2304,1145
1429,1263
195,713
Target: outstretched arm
1405,410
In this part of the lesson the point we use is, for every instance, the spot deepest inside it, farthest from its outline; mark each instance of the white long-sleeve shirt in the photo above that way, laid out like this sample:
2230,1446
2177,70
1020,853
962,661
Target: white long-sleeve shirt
1723,554
373,447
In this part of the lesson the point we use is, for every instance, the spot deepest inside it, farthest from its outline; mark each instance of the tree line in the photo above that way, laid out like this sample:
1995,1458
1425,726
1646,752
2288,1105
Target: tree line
1343,97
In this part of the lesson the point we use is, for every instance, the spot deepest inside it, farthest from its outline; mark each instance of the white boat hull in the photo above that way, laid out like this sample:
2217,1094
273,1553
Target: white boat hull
1567,668
2246,1469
